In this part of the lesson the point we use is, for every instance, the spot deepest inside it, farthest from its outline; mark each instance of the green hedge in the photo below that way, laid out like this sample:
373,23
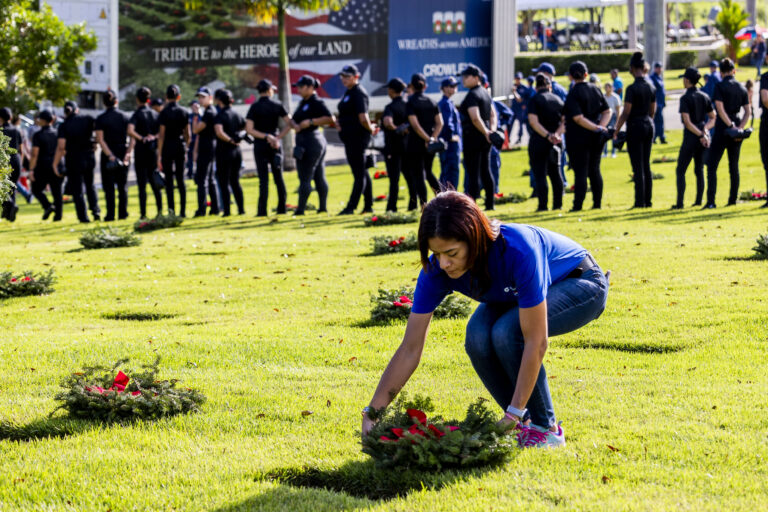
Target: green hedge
600,62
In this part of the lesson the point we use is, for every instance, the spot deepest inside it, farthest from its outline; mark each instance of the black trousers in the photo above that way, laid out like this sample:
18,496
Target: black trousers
90,189
362,186
145,164
690,149
111,179
639,142
720,144
228,162
394,162
478,168
764,148
173,167
269,160
206,185
419,169
77,175
545,162
45,177
311,167
584,156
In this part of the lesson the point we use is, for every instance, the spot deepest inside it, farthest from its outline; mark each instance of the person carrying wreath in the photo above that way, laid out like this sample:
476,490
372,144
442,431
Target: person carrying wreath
532,283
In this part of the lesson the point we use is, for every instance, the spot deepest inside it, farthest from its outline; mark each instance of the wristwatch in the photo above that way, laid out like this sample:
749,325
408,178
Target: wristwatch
366,410
514,411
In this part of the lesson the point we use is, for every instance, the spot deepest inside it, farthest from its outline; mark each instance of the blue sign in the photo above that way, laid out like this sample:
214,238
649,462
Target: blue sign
438,38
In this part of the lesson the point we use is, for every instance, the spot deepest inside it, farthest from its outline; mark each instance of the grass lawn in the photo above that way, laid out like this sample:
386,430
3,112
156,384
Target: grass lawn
663,398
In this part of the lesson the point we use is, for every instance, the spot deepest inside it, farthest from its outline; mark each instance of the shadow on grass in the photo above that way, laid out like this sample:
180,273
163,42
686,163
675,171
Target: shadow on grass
754,257
212,253
138,316
46,428
364,324
642,348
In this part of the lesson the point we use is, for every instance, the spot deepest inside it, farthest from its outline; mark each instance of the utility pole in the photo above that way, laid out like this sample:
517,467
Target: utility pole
655,30
504,46
632,28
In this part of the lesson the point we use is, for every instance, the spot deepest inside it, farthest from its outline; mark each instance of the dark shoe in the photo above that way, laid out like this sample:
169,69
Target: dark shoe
597,207
677,207
56,218
213,212
574,210
731,203
96,216
106,219
346,212
198,213
709,206
85,221
648,205
765,205
48,212
533,194
541,209
663,141
122,217
225,214
12,213
322,211
697,203
367,210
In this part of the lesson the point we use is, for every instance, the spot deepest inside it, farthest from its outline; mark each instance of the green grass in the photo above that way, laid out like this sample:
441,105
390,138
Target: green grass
266,318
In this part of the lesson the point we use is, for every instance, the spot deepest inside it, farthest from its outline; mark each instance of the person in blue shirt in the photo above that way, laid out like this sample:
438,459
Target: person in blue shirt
532,283
451,133
713,78
618,84
657,79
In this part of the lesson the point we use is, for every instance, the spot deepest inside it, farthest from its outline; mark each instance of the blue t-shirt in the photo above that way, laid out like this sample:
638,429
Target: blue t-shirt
523,262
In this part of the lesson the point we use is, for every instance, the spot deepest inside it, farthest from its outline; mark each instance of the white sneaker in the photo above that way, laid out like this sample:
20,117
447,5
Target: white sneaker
538,437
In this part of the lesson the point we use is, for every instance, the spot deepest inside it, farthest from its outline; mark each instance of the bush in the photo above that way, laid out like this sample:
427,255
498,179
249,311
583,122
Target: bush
395,304
600,62
107,394
390,244
681,59
28,283
761,249
105,238
404,438
390,218
160,222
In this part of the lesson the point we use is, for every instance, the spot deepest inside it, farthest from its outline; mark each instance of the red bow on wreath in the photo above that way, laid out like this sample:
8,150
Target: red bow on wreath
416,429
118,385
403,300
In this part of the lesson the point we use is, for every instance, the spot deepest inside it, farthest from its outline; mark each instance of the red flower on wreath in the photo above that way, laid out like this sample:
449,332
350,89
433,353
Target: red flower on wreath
420,421
13,280
374,219
27,279
394,243
118,385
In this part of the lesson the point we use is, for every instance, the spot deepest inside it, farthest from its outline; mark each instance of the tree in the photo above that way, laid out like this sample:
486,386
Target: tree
39,55
266,11
731,19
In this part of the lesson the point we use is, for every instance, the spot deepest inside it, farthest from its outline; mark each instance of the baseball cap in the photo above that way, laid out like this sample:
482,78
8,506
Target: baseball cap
714,64
545,67
449,82
194,102
692,74
156,102
519,75
656,64
203,91
350,70
471,70
306,80
418,78
396,85
264,85
5,114
45,115
531,79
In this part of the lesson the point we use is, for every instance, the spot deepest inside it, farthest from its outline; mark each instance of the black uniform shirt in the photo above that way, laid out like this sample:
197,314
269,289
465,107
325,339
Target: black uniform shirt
310,108
476,97
425,111
45,140
393,142
641,94
207,137
763,87
352,104
14,134
733,95
77,130
548,107
697,105
175,120
266,114
145,122
587,100
232,123
114,123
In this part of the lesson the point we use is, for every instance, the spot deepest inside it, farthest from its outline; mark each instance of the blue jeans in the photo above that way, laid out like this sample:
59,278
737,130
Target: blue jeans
658,123
449,165
495,341
495,167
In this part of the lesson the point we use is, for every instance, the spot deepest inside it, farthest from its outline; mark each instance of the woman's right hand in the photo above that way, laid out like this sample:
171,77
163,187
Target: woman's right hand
368,424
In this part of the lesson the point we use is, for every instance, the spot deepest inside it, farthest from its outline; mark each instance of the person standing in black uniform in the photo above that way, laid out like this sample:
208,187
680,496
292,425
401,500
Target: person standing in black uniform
730,97
13,133
698,118
426,123
764,127
202,127
173,135
355,130
111,134
262,122
41,163
395,124
547,123
228,126
477,116
142,128
638,112
311,113
75,145
586,116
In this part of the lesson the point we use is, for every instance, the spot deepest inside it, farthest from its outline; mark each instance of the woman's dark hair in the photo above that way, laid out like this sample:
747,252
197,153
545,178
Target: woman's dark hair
452,215
578,70
727,65
637,61
110,98
542,80
418,82
143,94
173,92
225,97
5,114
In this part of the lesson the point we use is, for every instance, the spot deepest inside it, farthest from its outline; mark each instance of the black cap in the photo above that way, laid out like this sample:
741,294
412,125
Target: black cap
203,91
172,92
5,114
396,85
70,107
417,78
264,85
157,102
45,115
307,80
350,70
471,70
577,69
692,74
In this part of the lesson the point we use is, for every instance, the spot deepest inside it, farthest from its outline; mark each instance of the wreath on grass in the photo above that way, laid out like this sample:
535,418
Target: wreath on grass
25,284
761,249
171,220
514,197
108,394
105,238
396,304
390,218
404,438
752,195
390,244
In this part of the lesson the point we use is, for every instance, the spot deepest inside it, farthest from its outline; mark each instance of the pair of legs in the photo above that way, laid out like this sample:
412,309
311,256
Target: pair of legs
145,164
111,179
545,162
362,186
584,156
658,125
640,136
311,167
9,205
764,152
228,162
691,149
395,162
268,160
495,342
173,167
206,185
449,165
477,166
419,166
720,144
45,177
